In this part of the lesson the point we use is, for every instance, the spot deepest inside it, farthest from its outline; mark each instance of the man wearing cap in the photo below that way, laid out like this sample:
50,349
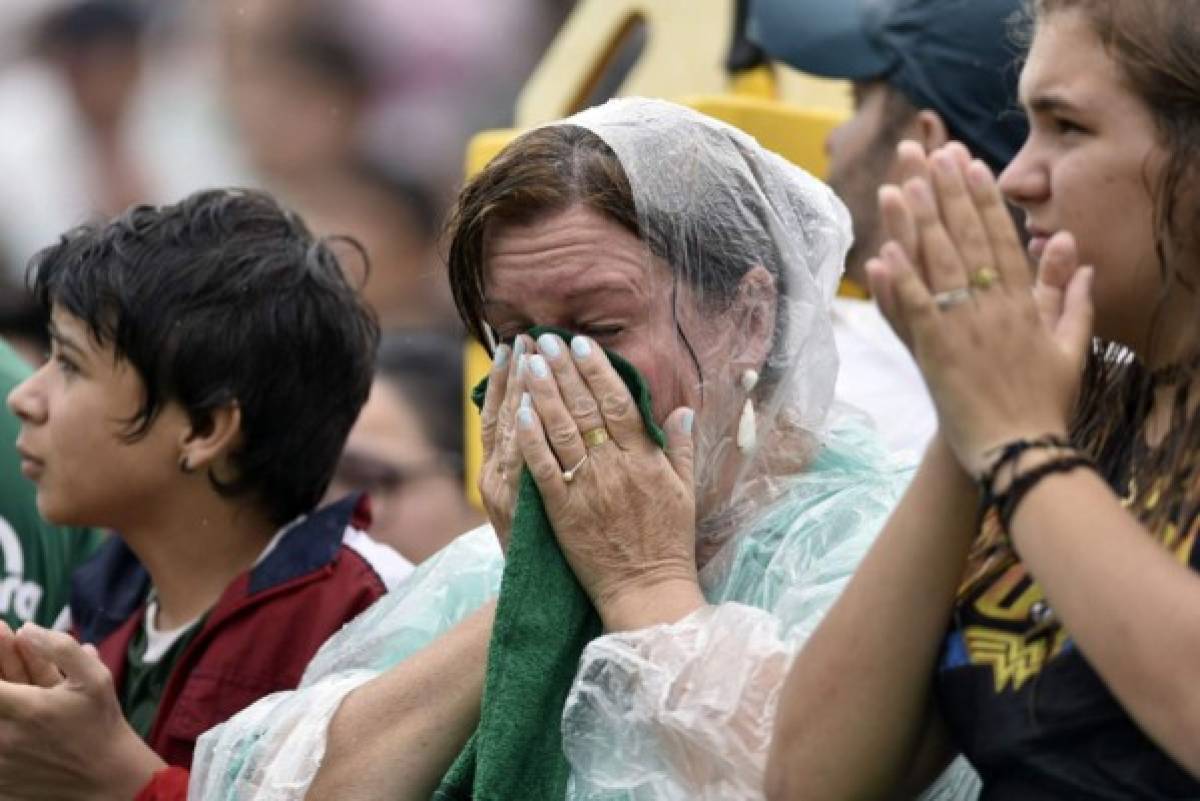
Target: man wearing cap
927,70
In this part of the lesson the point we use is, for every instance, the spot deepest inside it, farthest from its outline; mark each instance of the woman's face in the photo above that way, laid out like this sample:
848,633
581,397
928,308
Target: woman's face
418,503
582,272
1088,167
73,412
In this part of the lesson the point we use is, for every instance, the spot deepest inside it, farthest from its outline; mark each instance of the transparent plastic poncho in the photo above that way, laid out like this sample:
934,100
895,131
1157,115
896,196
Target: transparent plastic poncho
684,711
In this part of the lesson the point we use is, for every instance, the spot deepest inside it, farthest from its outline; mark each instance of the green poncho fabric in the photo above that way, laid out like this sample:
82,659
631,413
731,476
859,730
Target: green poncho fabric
543,622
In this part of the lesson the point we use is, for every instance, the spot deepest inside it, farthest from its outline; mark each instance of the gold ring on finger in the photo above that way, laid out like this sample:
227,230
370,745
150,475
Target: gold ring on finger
595,436
569,475
984,278
951,298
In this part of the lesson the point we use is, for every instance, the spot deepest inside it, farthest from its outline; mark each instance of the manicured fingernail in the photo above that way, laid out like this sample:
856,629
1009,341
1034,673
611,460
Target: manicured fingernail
525,417
501,357
526,401
518,347
685,422
548,343
537,363
581,347
521,359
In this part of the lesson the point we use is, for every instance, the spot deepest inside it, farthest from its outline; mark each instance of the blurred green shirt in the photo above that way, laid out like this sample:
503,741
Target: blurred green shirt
36,558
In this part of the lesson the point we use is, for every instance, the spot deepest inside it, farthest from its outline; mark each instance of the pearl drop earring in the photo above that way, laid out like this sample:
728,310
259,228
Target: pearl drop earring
747,433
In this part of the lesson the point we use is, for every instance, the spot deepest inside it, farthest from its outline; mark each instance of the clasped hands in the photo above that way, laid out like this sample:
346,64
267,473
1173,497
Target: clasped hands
62,732
1001,350
622,509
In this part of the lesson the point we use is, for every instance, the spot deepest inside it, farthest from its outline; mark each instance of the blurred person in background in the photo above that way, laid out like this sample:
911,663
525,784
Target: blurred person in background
299,92
396,221
444,71
406,449
925,70
103,106
95,48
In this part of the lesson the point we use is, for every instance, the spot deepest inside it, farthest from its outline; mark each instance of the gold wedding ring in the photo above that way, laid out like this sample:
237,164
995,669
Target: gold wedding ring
595,436
984,278
569,475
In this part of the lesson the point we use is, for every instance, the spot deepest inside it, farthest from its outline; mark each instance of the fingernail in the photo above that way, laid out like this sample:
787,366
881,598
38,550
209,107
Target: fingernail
526,401
944,162
979,175
521,359
538,364
548,343
581,347
501,357
518,347
923,193
686,421
525,417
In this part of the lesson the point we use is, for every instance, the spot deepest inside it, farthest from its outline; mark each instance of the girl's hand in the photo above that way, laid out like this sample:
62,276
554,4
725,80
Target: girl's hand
1003,359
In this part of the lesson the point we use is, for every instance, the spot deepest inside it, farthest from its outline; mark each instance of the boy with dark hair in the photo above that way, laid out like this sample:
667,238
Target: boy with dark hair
208,359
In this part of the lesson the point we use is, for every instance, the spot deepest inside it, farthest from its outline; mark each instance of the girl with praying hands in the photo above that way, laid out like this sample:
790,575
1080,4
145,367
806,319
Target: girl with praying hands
1033,602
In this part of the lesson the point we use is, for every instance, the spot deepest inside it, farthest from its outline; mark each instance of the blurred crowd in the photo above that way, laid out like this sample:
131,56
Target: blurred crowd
354,113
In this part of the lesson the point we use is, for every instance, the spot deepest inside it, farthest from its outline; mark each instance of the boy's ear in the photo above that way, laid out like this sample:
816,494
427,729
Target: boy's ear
207,441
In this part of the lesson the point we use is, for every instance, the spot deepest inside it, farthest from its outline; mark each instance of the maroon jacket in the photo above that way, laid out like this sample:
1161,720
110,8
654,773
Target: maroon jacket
259,636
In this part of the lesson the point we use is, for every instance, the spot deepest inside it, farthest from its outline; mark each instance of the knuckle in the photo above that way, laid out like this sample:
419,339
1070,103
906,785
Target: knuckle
543,471
616,405
584,408
562,434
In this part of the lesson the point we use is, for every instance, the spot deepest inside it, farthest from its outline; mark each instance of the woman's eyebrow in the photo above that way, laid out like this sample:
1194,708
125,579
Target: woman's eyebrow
609,288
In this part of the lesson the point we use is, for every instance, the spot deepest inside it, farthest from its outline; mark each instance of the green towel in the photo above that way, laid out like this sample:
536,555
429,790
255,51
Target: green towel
543,621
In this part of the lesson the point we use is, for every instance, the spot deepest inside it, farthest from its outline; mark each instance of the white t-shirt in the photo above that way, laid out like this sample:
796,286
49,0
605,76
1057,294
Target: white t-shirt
879,378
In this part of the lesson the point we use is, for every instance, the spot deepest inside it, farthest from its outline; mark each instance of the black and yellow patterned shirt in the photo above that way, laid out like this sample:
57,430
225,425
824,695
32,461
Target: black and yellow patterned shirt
1031,714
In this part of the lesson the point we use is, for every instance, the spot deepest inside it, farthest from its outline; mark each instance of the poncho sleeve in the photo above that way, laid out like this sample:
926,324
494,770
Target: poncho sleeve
686,711
272,750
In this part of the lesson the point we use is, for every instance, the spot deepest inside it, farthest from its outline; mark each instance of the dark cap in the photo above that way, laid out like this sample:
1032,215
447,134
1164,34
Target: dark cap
956,57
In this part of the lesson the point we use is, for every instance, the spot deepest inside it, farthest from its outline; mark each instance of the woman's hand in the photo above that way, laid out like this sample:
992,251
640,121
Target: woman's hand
500,473
626,518
1003,359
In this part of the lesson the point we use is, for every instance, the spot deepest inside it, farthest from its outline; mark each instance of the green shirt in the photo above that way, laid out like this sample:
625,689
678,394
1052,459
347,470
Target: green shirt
145,681
36,558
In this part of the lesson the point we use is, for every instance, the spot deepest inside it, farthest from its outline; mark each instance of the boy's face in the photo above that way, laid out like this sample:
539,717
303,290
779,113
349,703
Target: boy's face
74,412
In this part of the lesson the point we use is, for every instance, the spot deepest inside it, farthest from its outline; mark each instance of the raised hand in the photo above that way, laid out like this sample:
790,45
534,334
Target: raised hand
1002,357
